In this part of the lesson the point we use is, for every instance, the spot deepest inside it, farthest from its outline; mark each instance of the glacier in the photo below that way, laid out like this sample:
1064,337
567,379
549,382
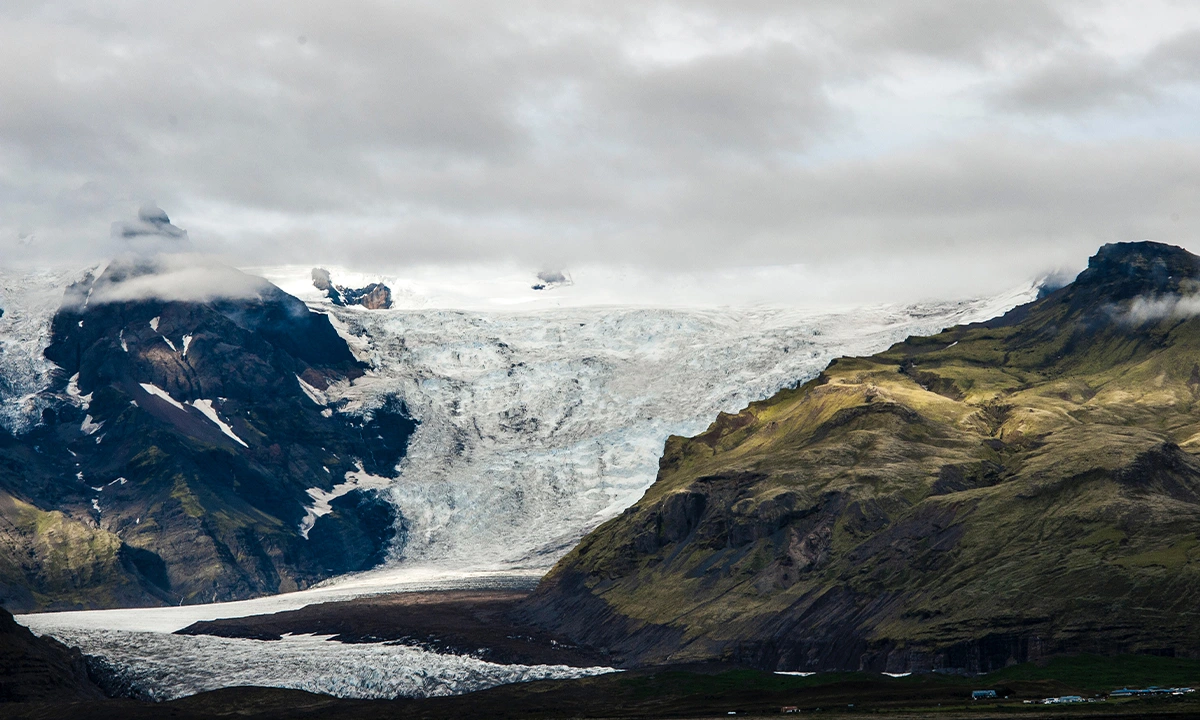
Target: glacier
29,300
536,425
158,666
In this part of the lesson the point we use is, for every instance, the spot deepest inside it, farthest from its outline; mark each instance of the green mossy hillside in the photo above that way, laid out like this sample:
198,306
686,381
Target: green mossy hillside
993,494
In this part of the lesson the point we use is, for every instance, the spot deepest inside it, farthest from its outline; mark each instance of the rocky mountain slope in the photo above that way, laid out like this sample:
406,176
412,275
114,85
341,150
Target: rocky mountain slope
187,451
995,493
40,668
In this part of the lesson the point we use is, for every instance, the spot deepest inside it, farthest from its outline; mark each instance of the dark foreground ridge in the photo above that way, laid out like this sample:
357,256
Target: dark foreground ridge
682,692
994,494
40,669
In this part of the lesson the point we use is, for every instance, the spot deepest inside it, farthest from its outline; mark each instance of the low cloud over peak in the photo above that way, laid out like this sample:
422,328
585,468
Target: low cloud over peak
179,277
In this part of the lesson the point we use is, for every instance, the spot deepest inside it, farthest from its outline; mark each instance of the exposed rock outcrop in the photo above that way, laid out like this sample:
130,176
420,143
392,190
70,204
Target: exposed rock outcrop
547,279
375,296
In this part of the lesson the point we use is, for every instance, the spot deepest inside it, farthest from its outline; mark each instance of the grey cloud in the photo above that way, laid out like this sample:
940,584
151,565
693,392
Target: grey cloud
749,101
1145,309
1175,60
551,276
1077,81
671,134
961,31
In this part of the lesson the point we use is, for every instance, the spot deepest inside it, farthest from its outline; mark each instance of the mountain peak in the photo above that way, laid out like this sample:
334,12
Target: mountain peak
1124,270
152,223
153,214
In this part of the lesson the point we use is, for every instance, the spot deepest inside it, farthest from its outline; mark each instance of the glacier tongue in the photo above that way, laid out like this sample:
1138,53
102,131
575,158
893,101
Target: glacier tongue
538,426
166,667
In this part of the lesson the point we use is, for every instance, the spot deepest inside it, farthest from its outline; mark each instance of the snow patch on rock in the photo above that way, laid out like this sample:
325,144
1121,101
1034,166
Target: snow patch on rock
206,408
159,392
355,480
84,401
89,427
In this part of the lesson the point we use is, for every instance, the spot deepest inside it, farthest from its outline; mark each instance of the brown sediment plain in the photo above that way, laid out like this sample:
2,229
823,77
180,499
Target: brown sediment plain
481,623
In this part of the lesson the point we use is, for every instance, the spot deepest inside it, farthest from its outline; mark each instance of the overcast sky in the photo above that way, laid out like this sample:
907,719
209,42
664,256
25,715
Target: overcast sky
954,144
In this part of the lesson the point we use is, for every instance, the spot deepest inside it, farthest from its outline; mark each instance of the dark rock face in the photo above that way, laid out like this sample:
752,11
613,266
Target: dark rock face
547,279
40,668
181,446
357,534
997,493
375,296
472,622
1120,271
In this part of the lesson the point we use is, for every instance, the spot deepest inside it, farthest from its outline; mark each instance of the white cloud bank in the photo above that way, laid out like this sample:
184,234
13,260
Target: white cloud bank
1144,309
183,277
923,137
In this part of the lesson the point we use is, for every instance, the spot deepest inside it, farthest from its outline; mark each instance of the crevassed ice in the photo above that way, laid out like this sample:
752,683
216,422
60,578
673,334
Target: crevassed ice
136,643
29,300
165,667
535,427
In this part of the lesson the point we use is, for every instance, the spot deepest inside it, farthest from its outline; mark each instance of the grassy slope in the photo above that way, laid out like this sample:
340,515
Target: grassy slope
51,560
1033,480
